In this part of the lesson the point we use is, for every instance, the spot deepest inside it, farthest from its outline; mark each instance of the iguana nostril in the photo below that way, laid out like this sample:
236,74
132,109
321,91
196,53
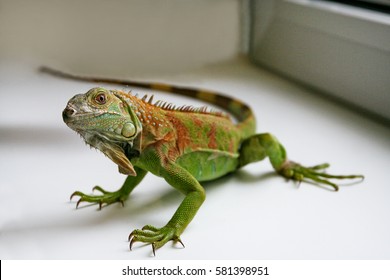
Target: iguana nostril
68,112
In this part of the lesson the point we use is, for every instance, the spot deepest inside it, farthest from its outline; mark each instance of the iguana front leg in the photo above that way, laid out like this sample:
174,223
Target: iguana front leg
182,180
259,146
111,197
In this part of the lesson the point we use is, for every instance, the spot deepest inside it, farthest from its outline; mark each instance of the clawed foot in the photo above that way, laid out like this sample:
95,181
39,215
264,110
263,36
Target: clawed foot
297,172
105,198
157,237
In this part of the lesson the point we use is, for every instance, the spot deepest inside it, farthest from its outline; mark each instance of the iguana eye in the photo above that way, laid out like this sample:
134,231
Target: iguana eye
101,98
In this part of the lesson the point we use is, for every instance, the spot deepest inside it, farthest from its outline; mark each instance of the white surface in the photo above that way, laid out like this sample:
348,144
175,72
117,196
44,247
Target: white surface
250,215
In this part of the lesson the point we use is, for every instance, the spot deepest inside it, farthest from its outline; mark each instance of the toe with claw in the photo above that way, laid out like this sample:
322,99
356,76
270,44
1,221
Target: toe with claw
106,198
157,237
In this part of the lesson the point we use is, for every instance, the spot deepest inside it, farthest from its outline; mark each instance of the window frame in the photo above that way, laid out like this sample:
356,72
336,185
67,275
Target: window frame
278,26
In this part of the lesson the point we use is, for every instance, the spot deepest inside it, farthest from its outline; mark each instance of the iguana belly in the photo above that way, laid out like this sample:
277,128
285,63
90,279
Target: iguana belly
207,164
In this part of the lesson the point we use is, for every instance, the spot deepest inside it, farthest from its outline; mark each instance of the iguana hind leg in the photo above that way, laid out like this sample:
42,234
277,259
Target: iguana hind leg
260,146
111,197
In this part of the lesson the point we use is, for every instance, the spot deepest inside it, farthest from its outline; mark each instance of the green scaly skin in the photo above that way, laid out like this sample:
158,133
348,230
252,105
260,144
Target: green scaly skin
185,146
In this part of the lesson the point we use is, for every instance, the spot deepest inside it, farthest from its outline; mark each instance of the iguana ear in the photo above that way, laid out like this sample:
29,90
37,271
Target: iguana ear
136,142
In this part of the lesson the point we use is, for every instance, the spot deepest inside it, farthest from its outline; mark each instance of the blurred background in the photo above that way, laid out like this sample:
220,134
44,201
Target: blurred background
121,37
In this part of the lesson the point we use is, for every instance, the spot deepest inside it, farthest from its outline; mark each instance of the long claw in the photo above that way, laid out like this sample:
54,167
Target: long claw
130,236
154,248
78,203
181,242
75,193
131,243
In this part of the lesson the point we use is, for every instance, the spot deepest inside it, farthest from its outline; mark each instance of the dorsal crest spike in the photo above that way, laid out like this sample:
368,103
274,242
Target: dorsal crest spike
182,108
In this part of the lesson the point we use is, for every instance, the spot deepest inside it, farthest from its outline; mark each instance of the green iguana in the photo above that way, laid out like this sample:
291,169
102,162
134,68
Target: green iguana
184,145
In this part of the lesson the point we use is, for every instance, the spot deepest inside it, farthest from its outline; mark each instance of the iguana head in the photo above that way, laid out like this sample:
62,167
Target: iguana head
107,122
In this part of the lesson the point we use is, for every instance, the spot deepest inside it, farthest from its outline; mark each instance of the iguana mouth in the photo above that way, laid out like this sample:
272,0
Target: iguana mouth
70,115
